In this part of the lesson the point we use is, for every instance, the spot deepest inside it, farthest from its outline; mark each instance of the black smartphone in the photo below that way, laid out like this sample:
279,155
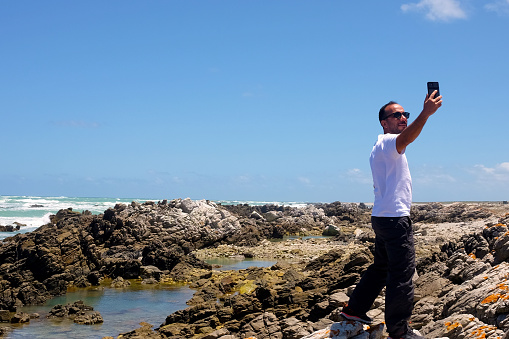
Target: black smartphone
433,86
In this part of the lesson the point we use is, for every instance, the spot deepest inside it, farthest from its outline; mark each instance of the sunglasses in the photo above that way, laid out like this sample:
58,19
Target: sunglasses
398,115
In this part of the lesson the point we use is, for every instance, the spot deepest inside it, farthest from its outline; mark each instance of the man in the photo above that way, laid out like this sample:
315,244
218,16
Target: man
394,262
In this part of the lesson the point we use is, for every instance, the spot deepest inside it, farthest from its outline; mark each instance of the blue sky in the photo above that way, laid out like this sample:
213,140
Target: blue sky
249,100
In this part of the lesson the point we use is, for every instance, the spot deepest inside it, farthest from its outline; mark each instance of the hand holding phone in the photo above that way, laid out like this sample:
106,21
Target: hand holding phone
433,86
431,104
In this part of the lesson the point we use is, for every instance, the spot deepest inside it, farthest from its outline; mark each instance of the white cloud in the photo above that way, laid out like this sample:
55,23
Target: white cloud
244,179
304,180
437,10
356,175
498,175
177,180
500,7
436,178
433,178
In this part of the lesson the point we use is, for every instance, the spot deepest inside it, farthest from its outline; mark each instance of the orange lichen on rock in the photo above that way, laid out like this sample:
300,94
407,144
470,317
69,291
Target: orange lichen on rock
480,333
472,255
491,298
497,225
450,326
503,287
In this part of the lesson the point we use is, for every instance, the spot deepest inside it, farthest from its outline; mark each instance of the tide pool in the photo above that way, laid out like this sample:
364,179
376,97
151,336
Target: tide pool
121,309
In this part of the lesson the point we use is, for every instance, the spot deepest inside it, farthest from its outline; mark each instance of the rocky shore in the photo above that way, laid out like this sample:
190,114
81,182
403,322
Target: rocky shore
461,282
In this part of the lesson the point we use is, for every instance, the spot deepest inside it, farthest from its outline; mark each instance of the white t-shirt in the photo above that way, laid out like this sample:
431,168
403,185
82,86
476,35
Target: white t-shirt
391,179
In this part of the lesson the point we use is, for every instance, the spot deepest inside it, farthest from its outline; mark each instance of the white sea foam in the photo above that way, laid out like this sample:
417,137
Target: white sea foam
28,221
35,211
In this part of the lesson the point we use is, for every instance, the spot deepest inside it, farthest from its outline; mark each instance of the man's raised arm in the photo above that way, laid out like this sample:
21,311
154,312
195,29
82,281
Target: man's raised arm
409,134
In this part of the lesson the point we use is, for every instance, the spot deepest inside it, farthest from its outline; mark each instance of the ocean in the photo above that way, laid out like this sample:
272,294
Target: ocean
32,212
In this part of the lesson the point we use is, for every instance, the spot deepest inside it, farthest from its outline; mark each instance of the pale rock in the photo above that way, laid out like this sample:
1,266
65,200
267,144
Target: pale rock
293,328
273,215
256,215
221,333
501,247
338,299
331,230
187,205
358,232
339,330
461,326
264,326
119,282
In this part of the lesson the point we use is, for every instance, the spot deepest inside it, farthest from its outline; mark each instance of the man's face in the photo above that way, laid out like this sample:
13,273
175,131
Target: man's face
391,124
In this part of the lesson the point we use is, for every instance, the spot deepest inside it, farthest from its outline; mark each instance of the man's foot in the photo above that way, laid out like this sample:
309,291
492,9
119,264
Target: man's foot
348,314
409,335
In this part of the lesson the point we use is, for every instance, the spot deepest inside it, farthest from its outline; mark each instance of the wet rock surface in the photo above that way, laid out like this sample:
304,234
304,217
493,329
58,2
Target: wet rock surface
461,286
79,312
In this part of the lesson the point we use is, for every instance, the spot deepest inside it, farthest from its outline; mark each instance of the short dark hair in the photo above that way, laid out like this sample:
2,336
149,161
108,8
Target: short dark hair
381,113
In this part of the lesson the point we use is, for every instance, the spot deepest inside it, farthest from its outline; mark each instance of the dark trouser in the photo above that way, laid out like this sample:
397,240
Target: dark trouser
394,267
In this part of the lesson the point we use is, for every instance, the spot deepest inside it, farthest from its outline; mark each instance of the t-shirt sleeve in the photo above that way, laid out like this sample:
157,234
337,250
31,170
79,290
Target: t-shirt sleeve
389,146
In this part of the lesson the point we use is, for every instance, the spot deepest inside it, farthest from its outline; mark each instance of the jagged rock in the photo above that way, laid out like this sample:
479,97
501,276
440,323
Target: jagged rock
10,228
145,332
120,282
461,326
463,267
293,328
456,212
331,230
501,247
89,319
256,215
153,272
78,312
221,333
338,299
273,215
20,317
5,316
81,248
344,329
483,297
82,281
460,272
266,325
431,284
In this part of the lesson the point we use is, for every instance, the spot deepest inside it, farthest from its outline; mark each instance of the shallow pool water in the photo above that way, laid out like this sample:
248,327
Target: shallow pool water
121,309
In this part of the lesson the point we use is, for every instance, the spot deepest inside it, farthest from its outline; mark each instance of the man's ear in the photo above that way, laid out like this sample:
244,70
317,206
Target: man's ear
384,124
